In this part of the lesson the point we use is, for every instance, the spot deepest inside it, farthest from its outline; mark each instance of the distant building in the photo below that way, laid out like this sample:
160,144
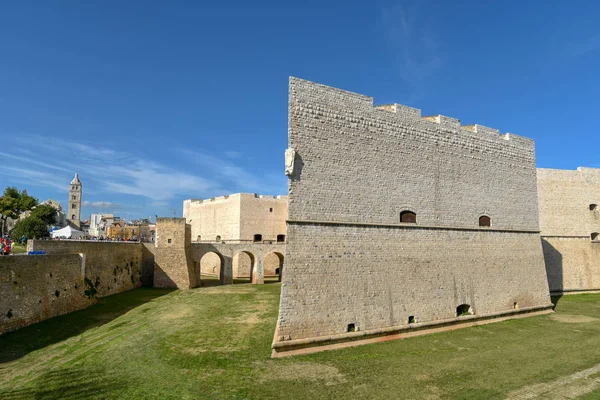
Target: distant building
241,217
74,210
99,224
61,217
238,218
122,230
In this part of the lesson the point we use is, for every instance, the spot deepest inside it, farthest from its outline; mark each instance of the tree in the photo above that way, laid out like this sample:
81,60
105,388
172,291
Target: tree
13,203
45,212
31,227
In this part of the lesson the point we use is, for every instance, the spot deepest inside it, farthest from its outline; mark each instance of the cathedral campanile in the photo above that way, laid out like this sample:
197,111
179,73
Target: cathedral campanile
74,210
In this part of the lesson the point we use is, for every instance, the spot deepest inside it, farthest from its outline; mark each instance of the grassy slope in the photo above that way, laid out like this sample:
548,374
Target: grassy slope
215,343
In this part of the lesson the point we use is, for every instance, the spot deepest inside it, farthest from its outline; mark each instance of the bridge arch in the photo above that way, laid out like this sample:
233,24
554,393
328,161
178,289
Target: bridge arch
244,266
211,266
273,265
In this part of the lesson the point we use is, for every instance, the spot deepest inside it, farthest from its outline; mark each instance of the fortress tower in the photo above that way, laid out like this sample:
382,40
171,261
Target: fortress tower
399,222
74,210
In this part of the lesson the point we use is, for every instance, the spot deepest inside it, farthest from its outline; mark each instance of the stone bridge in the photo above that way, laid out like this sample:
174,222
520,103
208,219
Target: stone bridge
226,251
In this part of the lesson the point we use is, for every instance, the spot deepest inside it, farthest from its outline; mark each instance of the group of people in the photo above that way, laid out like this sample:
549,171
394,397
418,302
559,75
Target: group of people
6,246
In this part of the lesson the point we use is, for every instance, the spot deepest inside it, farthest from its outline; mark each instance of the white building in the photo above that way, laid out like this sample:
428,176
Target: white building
99,224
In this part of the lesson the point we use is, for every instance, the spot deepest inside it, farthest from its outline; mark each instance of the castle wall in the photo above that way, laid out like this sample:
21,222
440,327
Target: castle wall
214,217
263,215
174,266
35,288
567,221
116,266
349,260
237,217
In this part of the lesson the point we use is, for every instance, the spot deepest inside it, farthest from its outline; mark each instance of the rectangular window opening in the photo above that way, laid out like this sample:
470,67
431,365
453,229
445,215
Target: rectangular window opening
411,319
351,328
168,240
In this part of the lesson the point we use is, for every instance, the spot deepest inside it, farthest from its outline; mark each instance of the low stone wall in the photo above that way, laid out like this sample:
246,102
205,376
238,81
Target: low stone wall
113,267
38,287
572,264
35,288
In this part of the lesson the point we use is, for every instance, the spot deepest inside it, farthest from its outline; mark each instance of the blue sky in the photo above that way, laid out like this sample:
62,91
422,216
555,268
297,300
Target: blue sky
155,102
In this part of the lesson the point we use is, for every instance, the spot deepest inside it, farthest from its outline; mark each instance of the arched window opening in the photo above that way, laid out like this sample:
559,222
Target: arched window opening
280,238
463,309
73,216
593,207
484,220
595,236
218,239
408,217
257,238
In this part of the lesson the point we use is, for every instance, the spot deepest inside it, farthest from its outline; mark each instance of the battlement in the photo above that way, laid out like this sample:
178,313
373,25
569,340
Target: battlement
233,196
170,220
337,96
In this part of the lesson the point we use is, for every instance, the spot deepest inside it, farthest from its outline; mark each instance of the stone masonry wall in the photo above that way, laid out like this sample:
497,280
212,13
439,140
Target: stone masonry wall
214,217
569,217
113,267
35,288
564,201
349,260
263,215
174,266
236,217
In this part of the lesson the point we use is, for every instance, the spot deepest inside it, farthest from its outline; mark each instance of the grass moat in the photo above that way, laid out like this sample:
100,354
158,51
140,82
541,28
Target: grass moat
214,342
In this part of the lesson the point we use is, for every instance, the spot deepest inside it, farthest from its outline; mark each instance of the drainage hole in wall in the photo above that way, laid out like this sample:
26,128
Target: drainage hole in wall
351,328
411,319
57,293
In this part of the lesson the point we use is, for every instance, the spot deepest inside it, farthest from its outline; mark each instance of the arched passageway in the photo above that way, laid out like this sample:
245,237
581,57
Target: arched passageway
244,267
211,269
273,266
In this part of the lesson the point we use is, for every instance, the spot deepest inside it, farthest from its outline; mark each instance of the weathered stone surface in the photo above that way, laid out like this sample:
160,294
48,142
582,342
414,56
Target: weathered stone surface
236,217
118,266
351,264
569,218
35,288
174,266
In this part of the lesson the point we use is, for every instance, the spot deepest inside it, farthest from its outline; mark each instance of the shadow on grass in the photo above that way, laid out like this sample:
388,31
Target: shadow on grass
555,299
14,345
209,281
70,383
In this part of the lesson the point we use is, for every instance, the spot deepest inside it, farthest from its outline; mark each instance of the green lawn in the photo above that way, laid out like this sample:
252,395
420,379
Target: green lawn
214,342
18,249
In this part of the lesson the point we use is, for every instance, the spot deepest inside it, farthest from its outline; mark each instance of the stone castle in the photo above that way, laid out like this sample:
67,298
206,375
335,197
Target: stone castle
399,222
238,218
395,224
570,227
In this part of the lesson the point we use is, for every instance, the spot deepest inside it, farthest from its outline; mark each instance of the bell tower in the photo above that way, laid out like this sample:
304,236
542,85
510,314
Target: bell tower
74,210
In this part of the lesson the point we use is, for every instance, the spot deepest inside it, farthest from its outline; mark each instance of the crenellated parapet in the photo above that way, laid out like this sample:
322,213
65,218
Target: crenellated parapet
354,102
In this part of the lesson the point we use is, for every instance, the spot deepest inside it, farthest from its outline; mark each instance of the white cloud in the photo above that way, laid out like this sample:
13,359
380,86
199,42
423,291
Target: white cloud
416,48
100,204
104,169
